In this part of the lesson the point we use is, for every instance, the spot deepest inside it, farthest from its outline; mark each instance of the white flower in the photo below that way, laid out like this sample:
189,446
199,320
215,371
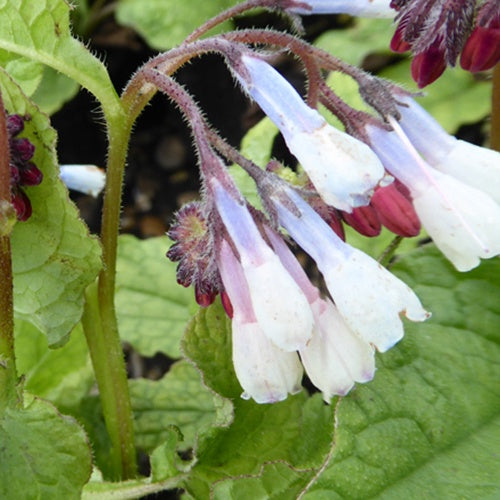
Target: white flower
335,357
343,169
280,307
87,179
361,8
369,298
464,222
266,373
475,166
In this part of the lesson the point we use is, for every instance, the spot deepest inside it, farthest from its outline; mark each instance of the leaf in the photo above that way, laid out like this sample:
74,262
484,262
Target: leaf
43,454
152,310
62,376
54,91
42,33
355,43
166,23
178,399
434,397
26,72
453,99
54,257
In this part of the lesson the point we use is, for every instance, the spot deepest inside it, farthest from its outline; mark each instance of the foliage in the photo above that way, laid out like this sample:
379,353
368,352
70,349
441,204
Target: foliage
430,415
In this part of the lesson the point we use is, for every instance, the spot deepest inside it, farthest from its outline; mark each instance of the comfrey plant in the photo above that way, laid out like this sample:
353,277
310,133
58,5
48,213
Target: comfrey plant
296,309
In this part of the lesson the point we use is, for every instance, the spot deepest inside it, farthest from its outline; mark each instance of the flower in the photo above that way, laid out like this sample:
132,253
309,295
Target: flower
360,8
463,221
371,310
343,170
286,320
476,166
266,372
87,179
335,357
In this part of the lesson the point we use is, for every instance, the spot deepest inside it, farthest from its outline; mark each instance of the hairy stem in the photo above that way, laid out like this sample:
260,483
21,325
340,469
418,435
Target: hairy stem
8,375
99,319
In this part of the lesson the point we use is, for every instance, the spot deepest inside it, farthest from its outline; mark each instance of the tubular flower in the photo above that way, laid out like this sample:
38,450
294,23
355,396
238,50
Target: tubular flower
335,357
342,169
463,221
266,372
287,323
473,165
371,310
360,8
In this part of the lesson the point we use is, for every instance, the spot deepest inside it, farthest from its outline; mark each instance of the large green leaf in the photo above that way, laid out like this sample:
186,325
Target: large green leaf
177,399
63,376
152,310
54,257
432,409
166,23
40,31
43,454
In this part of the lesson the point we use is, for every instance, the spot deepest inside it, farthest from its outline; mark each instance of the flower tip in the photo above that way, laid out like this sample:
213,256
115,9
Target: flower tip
86,179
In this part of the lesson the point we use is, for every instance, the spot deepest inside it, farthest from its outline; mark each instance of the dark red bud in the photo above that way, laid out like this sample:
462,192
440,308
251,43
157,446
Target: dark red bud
30,175
428,66
204,299
482,49
395,210
15,124
23,149
397,42
15,176
226,303
364,220
22,205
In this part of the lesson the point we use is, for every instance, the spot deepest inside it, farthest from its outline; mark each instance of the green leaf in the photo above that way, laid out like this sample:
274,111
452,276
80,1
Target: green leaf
43,454
453,99
177,399
433,407
352,45
54,91
164,458
62,376
166,23
42,33
152,309
54,257
27,73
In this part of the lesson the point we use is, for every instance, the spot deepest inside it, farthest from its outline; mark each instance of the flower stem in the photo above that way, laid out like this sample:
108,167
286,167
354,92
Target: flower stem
495,110
8,375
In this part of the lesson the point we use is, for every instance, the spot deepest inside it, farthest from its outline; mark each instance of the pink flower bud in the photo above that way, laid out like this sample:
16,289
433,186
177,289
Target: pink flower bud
364,220
428,66
482,49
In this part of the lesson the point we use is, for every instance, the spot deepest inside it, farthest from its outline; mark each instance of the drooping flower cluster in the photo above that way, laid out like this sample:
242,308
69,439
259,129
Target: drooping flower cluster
401,171
23,172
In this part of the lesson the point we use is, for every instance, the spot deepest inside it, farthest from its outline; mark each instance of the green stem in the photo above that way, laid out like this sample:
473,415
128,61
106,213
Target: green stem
8,375
99,321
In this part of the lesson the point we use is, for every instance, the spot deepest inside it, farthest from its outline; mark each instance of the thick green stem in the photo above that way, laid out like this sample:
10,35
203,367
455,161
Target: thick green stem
8,375
99,318
495,110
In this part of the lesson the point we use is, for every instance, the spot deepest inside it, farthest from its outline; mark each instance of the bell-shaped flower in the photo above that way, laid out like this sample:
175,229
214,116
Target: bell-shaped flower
343,170
476,166
279,305
335,357
266,373
360,8
463,221
369,298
